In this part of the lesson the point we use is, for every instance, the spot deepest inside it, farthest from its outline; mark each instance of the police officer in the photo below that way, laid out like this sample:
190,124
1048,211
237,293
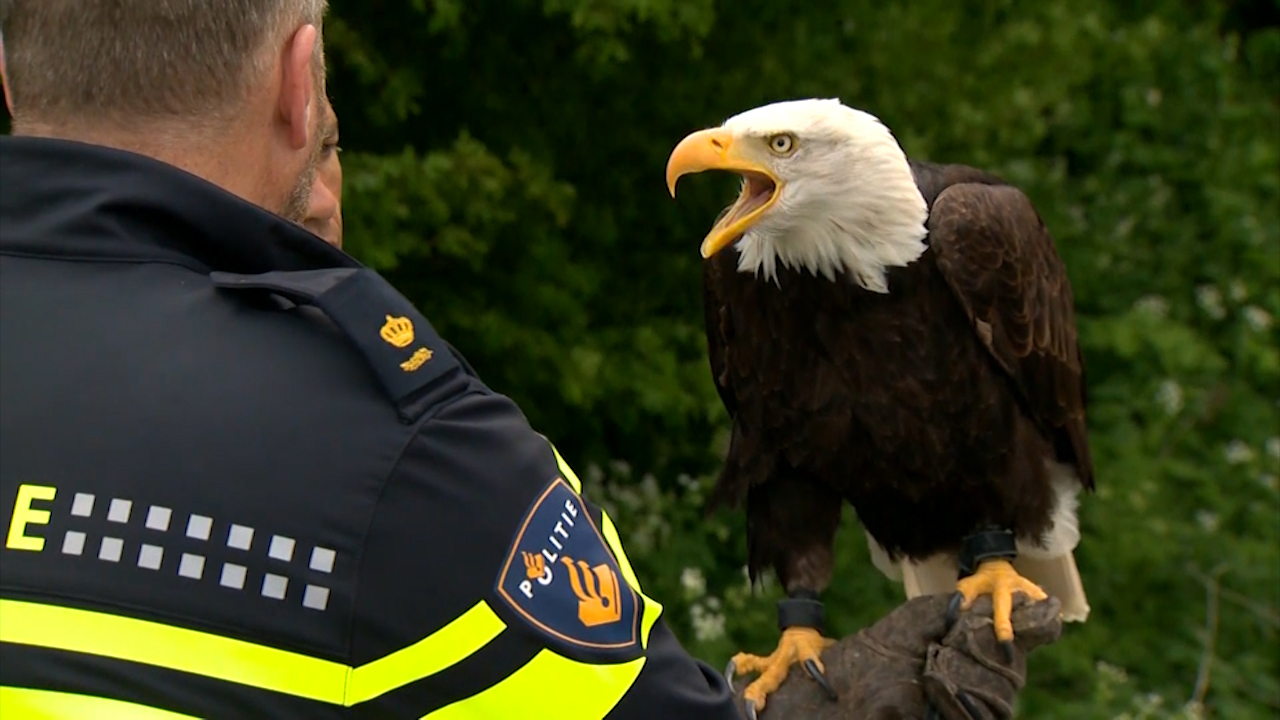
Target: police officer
324,214
241,475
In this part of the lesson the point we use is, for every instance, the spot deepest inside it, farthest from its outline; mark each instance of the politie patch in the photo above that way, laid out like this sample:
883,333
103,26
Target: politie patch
560,576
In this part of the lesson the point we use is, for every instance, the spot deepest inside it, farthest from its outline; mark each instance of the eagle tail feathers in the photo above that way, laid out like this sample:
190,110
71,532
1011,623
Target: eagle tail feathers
932,576
1058,576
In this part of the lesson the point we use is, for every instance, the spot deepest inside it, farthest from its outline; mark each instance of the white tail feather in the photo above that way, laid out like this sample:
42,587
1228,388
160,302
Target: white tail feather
1057,576
1061,579
933,576
1051,564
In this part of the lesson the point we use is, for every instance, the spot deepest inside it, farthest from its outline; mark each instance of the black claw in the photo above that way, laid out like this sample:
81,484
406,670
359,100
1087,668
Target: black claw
818,677
1006,646
931,713
751,710
968,705
953,609
729,671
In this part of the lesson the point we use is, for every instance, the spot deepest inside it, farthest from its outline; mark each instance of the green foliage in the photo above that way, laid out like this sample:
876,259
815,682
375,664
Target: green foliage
505,168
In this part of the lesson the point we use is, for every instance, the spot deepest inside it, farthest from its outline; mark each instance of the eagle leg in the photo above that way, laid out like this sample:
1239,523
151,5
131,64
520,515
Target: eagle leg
800,618
986,569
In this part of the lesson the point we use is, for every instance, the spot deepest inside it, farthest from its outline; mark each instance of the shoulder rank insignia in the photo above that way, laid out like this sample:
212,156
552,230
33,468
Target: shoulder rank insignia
398,342
560,577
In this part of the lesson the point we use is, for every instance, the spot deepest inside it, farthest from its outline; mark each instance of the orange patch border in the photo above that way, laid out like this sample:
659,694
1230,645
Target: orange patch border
515,548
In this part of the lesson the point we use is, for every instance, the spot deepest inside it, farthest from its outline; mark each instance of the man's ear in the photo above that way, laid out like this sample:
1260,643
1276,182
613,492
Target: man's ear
297,91
4,79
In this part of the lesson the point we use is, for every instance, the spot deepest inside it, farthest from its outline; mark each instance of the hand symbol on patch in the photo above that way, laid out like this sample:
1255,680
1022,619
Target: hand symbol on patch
597,591
534,566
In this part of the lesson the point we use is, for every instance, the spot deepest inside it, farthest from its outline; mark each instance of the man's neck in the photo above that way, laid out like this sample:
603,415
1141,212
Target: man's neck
214,154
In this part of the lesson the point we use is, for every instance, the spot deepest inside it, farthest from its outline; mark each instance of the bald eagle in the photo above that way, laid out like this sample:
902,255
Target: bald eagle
899,335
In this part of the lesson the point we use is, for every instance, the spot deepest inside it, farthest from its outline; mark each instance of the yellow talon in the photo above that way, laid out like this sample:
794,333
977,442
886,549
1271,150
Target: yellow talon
796,645
998,579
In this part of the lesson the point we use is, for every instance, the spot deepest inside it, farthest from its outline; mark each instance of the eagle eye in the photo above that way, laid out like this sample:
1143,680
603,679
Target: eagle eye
782,143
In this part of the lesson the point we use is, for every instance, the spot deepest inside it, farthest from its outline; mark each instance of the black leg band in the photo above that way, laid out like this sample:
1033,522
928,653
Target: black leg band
801,609
986,544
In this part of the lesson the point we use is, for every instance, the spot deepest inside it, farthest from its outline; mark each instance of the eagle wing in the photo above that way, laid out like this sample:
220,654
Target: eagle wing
998,258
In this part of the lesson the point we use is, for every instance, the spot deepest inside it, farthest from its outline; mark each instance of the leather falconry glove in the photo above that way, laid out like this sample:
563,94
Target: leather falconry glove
910,665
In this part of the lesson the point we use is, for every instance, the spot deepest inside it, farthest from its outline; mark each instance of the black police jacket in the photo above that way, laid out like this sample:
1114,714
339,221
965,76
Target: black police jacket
243,477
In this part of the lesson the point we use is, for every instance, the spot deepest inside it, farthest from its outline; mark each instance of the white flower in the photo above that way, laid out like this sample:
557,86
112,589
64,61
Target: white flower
1257,318
1238,452
1114,673
708,622
1169,396
1238,290
1151,703
1210,300
1153,305
649,487
695,585
1273,446
594,474
1208,520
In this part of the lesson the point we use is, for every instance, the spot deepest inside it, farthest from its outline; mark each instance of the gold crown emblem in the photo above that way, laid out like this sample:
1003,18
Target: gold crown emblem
398,331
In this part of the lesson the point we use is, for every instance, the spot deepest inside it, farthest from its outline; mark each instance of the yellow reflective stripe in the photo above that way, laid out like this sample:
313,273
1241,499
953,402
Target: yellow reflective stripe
615,544
652,609
567,471
241,662
28,704
170,647
449,645
549,687
610,532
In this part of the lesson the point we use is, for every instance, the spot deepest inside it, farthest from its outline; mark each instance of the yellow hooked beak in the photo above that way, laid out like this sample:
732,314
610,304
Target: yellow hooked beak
716,149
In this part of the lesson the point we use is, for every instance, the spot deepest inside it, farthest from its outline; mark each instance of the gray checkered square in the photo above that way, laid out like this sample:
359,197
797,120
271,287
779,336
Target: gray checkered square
150,557
274,586
192,566
111,549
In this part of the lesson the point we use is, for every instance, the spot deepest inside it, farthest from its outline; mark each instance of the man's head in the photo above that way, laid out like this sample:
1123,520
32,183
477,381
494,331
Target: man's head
231,90
324,216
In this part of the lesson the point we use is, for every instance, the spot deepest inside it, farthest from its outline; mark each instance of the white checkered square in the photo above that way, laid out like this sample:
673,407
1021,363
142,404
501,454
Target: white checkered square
158,518
192,566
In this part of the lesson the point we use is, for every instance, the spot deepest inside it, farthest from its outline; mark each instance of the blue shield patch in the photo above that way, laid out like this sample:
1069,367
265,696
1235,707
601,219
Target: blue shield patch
560,577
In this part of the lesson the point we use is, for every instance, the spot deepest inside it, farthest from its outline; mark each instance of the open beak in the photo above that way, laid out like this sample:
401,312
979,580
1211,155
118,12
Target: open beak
715,149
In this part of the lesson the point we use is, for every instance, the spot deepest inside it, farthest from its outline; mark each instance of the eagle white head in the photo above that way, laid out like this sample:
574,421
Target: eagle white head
826,189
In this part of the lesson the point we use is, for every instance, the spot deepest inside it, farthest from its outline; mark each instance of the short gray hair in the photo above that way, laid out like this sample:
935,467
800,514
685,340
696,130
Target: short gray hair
86,61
